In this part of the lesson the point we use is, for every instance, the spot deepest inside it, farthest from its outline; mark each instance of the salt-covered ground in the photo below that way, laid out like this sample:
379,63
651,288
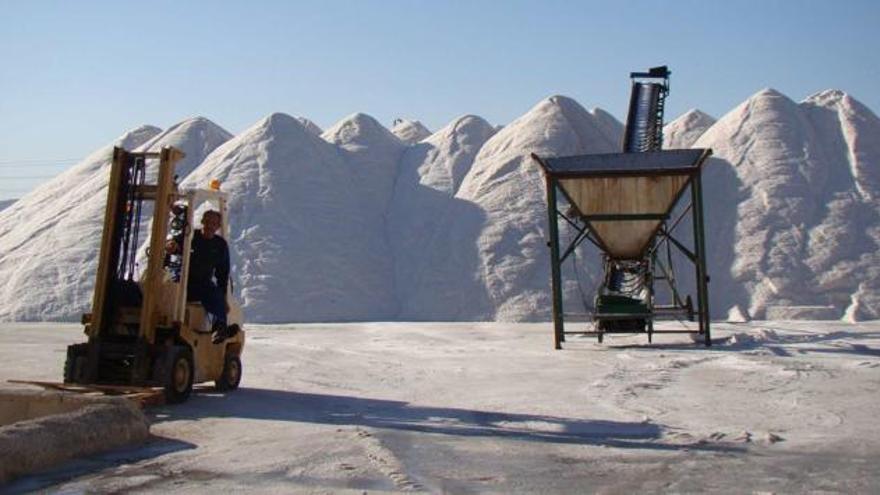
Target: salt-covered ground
491,408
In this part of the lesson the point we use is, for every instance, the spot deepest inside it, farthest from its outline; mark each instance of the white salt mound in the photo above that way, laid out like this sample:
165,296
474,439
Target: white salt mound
430,174
306,238
737,315
802,203
489,259
684,131
609,126
49,239
362,223
310,126
410,131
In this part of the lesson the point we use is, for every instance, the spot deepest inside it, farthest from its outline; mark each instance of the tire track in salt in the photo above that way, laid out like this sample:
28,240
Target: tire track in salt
630,383
387,462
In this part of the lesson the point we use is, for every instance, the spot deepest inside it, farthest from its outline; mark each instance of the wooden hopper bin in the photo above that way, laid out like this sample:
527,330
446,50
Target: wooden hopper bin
625,196
624,202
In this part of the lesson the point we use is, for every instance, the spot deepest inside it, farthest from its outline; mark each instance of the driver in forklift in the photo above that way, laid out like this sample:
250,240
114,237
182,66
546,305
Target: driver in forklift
209,273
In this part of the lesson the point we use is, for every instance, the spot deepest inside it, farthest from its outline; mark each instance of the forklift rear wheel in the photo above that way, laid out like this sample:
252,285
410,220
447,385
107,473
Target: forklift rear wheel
231,376
178,375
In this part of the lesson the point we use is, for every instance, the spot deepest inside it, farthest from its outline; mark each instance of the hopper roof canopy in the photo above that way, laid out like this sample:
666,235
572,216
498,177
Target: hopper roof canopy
624,197
647,163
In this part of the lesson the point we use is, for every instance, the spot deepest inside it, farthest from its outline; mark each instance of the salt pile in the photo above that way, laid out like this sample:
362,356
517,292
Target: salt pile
306,235
310,126
801,187
686,129
610,127
489,258
430,174
372,153
362,223
410,131
49,239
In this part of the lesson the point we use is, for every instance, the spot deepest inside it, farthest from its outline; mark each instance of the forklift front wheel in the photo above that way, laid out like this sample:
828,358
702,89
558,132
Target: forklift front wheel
178,375
231,376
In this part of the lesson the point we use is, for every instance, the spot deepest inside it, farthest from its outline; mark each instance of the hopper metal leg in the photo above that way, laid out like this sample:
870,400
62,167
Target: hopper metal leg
700,248
556,277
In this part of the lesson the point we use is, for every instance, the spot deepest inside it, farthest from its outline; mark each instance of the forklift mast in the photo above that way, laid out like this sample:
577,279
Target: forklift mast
116,284
124,311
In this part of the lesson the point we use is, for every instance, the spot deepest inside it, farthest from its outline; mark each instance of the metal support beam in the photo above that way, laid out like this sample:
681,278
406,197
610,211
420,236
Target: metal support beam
556,276
700,248
625,217
681,247
574,244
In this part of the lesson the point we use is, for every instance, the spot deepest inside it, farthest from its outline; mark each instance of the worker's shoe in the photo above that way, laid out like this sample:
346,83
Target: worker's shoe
221,332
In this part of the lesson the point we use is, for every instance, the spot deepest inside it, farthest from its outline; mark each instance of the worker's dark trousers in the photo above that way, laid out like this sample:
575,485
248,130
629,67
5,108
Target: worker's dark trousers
212,298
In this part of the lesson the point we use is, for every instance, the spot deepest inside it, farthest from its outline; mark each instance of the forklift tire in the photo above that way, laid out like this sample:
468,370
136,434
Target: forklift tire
231,376
178,372
75,364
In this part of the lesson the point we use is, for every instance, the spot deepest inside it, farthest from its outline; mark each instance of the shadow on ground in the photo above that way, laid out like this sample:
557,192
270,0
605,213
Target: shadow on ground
278,405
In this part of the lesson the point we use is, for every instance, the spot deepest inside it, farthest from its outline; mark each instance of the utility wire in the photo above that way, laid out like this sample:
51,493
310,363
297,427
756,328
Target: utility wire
3,177
35,169
38,160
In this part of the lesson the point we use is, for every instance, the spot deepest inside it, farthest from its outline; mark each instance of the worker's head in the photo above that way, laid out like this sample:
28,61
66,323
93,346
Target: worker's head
211,221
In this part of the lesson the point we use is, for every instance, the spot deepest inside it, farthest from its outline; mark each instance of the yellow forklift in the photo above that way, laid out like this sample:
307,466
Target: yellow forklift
142,331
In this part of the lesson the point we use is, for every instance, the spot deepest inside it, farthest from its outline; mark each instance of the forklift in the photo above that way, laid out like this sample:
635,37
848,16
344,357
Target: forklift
142,331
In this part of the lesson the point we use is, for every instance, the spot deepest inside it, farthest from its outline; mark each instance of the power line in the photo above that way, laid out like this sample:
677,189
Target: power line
22,177
28,167
39,160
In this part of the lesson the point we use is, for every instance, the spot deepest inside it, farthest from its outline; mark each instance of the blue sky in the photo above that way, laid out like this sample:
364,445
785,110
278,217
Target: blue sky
77,74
